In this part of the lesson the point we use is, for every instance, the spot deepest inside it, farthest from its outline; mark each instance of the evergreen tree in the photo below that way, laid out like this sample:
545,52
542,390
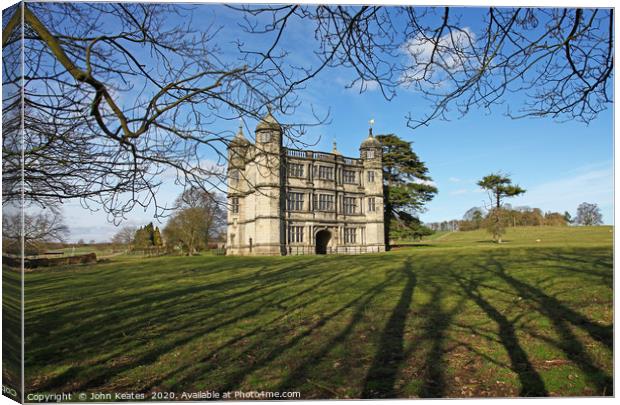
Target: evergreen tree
407,187
141,239
147,236
150,231
499,187
157,241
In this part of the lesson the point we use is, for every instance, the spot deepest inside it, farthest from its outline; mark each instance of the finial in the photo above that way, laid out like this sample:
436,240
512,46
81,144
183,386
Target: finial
335,150
240,132
371,122
269,107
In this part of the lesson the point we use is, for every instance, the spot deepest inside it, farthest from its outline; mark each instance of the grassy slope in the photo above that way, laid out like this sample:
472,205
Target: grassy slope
456,317
11,331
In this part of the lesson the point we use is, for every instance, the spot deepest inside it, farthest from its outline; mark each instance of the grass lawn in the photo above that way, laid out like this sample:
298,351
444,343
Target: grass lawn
456,316
100,251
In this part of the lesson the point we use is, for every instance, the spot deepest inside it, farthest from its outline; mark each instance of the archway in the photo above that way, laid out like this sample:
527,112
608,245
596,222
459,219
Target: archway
322,239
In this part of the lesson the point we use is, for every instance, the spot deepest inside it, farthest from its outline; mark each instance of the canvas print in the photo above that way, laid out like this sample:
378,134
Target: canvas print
269,201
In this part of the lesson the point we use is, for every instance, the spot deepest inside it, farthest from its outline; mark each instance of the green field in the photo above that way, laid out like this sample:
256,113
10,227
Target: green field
456,316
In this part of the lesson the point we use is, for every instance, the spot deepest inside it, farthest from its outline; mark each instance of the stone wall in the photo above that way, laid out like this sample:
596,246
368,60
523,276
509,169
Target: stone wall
49,262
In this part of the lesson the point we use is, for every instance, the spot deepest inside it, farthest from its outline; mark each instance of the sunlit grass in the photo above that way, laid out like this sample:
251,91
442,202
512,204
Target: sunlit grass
455,317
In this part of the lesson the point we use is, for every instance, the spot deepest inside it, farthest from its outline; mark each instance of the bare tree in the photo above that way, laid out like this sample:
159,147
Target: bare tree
119,97
124,236
198,219
559,59
588,215
38,230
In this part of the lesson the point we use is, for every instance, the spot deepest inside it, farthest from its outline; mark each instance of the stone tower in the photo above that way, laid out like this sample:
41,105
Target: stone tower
240,152
371,155
285,201
255,191
270,195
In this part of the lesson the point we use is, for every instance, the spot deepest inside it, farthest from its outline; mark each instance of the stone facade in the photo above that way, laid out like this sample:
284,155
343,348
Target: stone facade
284,201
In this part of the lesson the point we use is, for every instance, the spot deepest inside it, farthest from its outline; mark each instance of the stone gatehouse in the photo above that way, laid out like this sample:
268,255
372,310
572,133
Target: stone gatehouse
284,201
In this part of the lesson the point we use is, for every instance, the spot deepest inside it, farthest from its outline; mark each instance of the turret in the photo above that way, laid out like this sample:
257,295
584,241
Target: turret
269,134
238,150
270,197
370,149
371,154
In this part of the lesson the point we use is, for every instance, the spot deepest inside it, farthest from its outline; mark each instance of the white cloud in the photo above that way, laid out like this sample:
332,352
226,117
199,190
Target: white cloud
459,191
454,179
450,54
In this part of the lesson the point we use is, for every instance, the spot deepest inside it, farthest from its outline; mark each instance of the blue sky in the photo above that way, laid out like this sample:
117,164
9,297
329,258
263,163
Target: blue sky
559,164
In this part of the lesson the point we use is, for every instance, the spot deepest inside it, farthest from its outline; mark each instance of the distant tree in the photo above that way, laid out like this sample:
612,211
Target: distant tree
38,230
588,215
499,187
496,222
467,225
81,242
150,230
147,237
407,226
198,218
555,219
568,217
513,215
157,240
124,236
473,212
472,219
407,186
532,217
142,239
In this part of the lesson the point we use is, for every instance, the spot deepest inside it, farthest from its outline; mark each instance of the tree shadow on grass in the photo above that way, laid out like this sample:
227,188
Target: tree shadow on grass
381,377
95,374
435,328
201,364
532,384
297,377
560,316
237,377
244,320
597,264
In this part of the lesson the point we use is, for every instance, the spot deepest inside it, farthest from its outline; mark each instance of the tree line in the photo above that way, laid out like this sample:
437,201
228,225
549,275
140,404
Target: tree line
587,214
197,222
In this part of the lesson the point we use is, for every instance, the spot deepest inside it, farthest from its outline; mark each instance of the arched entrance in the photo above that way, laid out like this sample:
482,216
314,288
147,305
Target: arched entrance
322,239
